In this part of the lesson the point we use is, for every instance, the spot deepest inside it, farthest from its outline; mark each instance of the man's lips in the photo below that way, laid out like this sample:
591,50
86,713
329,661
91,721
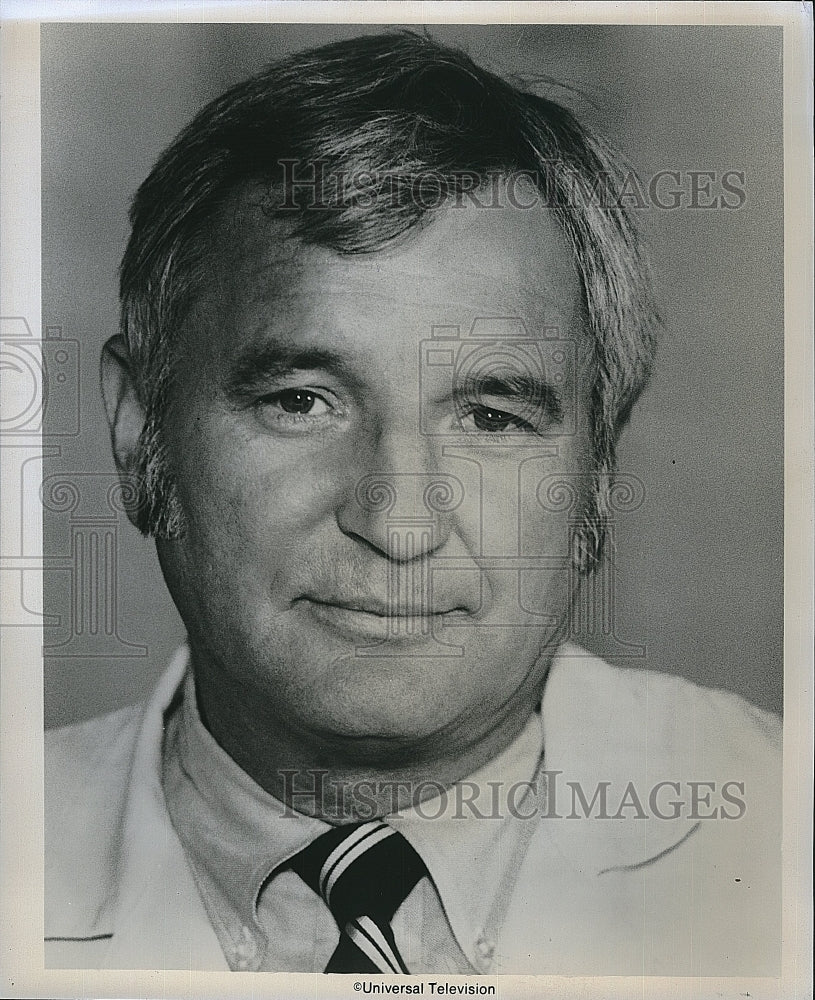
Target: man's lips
376,619
383,609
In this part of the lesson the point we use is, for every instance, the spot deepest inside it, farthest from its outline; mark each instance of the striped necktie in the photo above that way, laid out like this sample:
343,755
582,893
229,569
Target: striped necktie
363,873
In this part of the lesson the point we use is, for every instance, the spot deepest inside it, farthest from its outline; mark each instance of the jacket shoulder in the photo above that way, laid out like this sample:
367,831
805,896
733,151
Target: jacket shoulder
689,843
83,745
664,714
86,775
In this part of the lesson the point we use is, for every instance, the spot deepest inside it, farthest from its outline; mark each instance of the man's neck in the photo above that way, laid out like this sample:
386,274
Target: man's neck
342,780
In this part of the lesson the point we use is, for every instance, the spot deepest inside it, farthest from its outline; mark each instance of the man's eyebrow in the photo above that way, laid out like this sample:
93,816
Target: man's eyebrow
256,365
512,386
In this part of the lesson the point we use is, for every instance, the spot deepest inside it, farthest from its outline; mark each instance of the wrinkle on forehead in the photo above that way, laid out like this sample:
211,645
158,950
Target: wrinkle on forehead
521,257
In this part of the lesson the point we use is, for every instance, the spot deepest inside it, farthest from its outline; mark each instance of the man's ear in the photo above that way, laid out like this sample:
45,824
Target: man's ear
125,413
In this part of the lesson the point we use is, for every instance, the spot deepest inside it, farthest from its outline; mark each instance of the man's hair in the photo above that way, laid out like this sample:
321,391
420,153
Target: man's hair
356,143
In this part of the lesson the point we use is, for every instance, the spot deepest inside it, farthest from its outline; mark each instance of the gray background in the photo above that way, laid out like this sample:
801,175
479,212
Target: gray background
699,566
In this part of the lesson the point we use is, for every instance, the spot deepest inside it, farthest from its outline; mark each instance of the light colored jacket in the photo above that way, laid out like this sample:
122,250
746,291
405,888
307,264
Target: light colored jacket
675,871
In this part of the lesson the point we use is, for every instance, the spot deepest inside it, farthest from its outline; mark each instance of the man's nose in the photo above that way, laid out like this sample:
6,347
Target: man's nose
400,501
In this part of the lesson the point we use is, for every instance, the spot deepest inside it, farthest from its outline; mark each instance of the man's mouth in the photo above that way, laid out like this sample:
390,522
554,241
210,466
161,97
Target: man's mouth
374,619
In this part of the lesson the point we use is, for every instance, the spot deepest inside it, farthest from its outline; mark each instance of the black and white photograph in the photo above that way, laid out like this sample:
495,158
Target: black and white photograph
406,493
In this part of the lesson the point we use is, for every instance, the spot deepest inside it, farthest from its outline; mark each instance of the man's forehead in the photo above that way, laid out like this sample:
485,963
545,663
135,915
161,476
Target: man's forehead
523,250
456,267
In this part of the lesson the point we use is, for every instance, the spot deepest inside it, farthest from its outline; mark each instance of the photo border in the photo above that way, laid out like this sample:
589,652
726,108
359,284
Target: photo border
21,716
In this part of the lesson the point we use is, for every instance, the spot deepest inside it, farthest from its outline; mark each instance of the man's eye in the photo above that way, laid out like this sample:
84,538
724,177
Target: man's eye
300,402
298,410
492,420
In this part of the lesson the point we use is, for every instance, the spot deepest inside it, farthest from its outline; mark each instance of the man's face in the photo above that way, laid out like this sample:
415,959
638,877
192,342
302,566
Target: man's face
362,447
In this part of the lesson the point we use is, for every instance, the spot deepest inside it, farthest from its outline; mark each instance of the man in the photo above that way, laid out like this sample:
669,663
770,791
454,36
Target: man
384,318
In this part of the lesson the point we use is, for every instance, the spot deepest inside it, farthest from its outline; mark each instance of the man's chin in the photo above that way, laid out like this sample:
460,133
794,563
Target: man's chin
396,708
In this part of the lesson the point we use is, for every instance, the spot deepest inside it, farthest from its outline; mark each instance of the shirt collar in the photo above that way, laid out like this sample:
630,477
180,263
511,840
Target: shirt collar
473,838
235,833
467,836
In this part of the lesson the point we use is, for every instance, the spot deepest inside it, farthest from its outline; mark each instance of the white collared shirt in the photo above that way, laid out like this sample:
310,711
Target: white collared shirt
687,886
